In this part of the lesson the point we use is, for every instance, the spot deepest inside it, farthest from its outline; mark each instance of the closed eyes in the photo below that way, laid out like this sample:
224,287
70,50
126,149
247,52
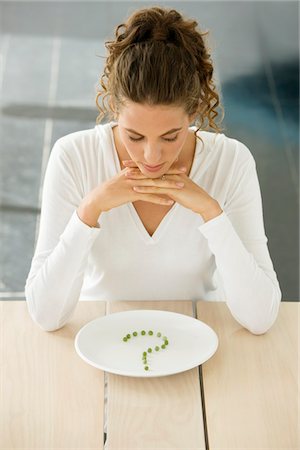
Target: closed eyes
141,138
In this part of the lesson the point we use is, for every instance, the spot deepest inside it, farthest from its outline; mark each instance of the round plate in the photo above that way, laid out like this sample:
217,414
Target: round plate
100,343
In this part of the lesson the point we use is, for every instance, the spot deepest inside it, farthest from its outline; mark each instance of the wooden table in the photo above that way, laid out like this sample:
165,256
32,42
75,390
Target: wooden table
244,397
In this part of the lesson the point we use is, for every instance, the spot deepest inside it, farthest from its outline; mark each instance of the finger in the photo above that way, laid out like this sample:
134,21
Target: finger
129,163
158,183
137,174
154,190
155,199
176,170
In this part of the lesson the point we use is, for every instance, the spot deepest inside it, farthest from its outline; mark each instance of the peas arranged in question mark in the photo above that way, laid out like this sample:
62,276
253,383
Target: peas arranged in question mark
149,350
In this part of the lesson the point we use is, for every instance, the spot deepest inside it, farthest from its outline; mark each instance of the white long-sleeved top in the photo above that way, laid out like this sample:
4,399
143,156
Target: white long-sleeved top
225,258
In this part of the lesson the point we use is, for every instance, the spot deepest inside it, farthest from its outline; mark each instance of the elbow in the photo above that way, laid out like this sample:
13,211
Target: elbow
260,326
39,315
267,316
260,316
46,326
259,330
45,323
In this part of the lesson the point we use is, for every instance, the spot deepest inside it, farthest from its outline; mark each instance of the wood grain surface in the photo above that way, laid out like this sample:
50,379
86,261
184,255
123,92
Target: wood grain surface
251,383
50,398
155,413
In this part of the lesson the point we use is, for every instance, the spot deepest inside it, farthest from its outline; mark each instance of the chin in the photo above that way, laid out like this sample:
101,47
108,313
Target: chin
150,174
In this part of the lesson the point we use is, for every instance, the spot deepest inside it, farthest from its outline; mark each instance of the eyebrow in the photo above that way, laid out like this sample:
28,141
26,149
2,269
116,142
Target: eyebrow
167,132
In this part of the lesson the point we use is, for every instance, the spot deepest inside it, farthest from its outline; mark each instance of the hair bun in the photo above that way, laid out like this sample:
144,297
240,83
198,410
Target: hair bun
156,33
160,34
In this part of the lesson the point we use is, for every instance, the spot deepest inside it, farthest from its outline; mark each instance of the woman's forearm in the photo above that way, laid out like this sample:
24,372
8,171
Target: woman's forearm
251,287
55,278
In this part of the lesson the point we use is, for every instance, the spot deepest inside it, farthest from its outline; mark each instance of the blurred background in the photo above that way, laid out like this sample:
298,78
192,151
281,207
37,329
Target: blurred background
49,68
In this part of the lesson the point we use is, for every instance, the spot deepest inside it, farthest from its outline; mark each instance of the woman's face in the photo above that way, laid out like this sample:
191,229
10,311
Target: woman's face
153,136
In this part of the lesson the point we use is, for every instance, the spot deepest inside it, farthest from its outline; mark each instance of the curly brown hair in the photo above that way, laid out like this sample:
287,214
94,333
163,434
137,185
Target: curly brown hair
159,58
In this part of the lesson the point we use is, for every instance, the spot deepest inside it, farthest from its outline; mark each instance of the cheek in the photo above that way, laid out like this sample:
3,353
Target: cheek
177,147
134,151
131,148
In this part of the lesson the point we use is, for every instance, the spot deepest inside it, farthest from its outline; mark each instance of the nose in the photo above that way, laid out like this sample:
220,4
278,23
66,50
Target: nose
152,155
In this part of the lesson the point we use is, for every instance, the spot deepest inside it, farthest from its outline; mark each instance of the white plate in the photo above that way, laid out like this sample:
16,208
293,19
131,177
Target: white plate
100,343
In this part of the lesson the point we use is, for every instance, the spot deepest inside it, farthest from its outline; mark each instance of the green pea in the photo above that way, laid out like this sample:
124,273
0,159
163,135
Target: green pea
149,350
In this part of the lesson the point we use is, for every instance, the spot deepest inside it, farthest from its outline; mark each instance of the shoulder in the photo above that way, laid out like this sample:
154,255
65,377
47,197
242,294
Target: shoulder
222,162
79,137
83,144
225,149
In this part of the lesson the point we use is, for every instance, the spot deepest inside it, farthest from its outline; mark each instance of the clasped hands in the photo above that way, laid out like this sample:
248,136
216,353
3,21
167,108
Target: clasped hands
177,186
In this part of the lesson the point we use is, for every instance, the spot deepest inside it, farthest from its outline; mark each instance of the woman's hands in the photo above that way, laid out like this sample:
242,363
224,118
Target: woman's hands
178,187
131,185
116,192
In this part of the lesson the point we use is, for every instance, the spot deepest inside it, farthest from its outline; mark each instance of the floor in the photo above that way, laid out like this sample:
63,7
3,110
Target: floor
49,65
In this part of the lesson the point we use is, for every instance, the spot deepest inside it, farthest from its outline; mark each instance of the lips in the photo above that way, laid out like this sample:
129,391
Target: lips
153,168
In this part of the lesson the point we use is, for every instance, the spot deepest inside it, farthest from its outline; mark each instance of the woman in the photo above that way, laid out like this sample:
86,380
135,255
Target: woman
147,206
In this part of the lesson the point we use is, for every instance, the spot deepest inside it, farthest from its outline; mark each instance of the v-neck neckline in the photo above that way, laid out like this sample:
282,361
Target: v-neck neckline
133,212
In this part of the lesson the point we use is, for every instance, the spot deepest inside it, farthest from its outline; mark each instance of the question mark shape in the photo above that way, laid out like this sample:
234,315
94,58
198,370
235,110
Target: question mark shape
149,350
